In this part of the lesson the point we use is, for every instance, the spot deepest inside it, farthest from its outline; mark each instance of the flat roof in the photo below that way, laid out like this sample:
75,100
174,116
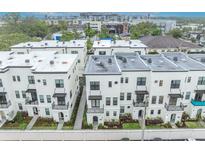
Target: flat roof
184,61
51,44
102,65
198,57
47,61
118,43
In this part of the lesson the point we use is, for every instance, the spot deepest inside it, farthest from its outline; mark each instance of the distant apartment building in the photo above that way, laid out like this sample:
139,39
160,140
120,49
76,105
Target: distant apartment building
163,85
167,44
68,47
109,47
41,83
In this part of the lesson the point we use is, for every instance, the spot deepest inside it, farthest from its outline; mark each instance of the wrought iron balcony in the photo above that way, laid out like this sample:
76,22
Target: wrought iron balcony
95,110
5,104
174,107
139,104
60,106
31,102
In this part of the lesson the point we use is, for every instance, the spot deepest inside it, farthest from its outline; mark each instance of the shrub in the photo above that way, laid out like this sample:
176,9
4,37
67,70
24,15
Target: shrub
167,125
113,125
181,124
100,126
153,121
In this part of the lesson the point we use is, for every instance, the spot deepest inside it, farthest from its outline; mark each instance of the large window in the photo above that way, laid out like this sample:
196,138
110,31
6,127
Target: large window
41,97
108,101
175,84
102,53
161,98
114,100
94,85
110,84
61,100
122,97
201,81
44,82
1,84
17,94
95,103
154,99
31,80
47,111
122,109
141,81
24,94
59,83
140,98
188,94
129,96
18,78
48,97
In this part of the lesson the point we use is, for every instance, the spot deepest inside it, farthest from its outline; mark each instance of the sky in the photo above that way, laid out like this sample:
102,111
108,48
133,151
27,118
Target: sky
160,14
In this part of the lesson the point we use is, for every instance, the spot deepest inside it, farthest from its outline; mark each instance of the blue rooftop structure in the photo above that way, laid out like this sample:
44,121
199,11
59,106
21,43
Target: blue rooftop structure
198,103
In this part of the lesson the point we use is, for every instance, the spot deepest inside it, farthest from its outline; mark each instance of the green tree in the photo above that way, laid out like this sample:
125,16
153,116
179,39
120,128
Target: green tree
89,32
104,33
67,36
62,25
176,33
89,44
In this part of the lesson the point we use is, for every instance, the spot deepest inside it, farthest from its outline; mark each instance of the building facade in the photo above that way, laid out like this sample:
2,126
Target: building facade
41,83
164,85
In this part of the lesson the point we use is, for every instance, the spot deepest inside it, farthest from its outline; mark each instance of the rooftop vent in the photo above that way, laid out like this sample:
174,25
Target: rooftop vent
130,42
28,44
98,42
52,62
203,60
27,61
64,62
100,64
109,60
175,59
46,44
0,62
149,60
73,41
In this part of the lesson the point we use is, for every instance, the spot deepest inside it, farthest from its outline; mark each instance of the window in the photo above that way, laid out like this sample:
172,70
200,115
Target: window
74,52
44,82
1,84
122,109
152,112
129,96
61,100
141,81
23,94
47,111
154,99
114,100
102,53
122,96
94,85
161,98
173,101
187,96
31,80
140,98
41,97
17,94
59,83
71,94
108,101
121,79
20,106
115,113
175,84
95,103
110,84
201,81
160,83
189,79
48,97
14,78
159,112
126,80
18,78
107,113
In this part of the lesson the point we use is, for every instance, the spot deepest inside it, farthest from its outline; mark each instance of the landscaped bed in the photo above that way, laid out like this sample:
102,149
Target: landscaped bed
193,124
45,123
156,124
19,122
131,126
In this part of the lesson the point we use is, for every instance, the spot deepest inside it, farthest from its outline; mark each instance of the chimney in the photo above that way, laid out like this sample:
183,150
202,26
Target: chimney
27,61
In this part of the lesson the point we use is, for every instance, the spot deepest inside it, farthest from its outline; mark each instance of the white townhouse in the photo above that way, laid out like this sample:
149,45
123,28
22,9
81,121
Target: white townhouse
164,85
41,83
68,47
109,47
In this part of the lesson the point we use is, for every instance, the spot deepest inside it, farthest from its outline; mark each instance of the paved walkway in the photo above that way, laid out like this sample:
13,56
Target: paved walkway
2,122
81,108
60,125
32,122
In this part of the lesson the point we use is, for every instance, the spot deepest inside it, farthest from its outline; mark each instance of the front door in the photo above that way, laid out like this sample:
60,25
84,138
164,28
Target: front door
140,114
35,110
173,117
61,116
198,96
95,120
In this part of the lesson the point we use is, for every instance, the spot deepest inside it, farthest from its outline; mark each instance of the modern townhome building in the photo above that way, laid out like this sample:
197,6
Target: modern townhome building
40,83
68,47
163,85
169,44
109,47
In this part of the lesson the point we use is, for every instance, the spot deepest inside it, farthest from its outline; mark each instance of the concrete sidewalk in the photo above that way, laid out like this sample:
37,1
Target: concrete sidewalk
32,122
60,125
81,108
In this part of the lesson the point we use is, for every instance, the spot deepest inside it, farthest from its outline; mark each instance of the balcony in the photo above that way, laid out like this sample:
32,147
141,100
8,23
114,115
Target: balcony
139,104
197,103
95,110
5,105
31,102
60,106
174,107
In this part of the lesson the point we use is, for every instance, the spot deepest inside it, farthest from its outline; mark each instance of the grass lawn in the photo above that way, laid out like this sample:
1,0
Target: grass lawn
19,122
67,126
193,124
45,123
130,126
158,126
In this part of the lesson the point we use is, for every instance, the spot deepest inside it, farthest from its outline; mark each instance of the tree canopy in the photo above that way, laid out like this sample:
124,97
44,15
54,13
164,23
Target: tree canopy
176,33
